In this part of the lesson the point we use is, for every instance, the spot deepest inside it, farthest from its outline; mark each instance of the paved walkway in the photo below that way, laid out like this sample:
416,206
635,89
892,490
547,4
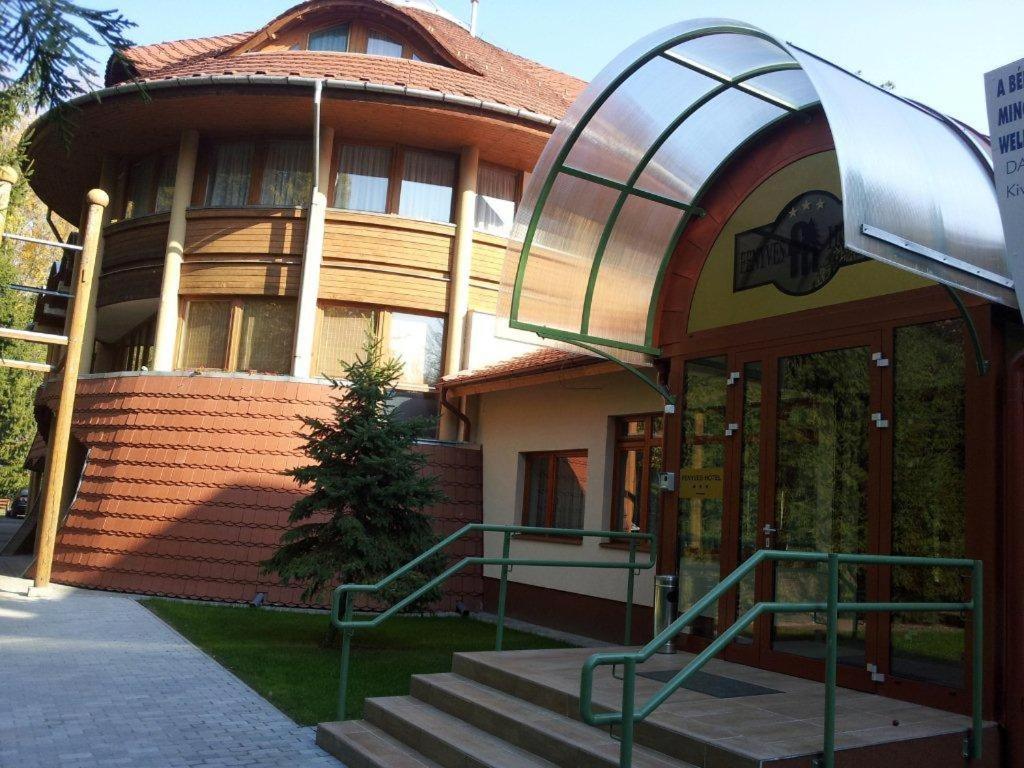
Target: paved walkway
94,680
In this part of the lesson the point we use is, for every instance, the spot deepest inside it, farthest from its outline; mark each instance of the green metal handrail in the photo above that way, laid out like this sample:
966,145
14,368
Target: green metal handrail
631,713
343,619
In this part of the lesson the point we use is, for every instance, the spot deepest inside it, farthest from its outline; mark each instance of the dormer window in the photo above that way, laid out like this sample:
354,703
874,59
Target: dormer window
330,39
380,44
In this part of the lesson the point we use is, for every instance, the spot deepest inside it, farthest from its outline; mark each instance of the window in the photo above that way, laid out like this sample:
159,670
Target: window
238,335
265,338
495,200
380,44
150,186
330,39
134,350
140,181
418,341
555,490
342,333
427,182
205,334
287,174
230,175
362,181
638,461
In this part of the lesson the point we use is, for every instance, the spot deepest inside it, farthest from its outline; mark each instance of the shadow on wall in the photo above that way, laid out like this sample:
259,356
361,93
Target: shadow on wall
184,494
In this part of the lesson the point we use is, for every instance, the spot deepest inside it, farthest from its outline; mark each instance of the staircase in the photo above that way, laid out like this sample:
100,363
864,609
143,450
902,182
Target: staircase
520,710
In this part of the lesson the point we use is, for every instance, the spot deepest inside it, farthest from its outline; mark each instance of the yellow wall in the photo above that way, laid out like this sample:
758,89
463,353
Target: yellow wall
574,414
714,303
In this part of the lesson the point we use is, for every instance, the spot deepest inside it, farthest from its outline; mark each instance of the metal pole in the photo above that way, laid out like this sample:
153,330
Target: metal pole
97,202
628,706
506,549
629,593
831,661
346,652
8,177
977,659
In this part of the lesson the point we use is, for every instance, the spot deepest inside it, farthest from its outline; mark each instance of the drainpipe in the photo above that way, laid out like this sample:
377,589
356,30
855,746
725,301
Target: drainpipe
312,256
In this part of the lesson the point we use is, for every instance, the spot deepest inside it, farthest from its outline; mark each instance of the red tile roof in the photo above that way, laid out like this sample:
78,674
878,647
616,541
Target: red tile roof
540,361
484,71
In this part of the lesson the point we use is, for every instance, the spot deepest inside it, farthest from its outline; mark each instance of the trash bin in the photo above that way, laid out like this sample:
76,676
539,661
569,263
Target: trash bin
666,596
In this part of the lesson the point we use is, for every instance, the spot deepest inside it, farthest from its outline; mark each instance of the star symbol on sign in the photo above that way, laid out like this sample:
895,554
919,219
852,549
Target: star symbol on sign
807,206
820,205
792,213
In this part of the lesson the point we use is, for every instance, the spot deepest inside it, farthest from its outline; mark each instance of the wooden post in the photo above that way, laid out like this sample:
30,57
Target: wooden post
8,176
58,449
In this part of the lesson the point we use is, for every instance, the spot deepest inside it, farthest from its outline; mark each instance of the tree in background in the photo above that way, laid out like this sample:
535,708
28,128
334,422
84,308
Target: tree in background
43,63
42,46
364,517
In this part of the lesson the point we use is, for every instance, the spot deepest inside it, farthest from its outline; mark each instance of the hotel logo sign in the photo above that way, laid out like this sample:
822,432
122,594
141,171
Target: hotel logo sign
799,252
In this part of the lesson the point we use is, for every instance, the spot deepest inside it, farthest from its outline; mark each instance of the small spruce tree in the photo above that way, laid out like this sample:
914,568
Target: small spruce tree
365,477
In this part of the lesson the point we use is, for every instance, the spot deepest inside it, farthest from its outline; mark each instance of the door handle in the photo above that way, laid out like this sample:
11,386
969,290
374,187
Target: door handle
769,530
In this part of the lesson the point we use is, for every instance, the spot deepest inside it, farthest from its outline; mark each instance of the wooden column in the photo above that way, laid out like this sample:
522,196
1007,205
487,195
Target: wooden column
108,177
167,316
56,461
458,288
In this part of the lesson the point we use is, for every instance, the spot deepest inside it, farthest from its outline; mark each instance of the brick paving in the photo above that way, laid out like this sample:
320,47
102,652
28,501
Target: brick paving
94,680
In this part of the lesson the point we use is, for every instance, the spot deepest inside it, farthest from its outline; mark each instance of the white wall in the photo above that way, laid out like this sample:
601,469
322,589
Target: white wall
575,414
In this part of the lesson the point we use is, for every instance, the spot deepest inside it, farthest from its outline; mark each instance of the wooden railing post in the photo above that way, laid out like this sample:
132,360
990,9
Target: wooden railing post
97,201
8,177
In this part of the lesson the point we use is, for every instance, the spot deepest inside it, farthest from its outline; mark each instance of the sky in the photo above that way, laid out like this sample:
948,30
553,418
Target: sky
935,51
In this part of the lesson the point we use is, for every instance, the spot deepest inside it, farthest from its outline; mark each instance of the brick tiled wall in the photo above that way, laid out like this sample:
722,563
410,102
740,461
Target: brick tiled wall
184,494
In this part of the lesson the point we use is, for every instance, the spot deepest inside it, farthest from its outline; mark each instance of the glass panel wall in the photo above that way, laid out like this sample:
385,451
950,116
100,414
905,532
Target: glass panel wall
287,174
381,44
428,181
928,513
230,175
701,487
495,200
418,341
821,494
265,341
205,334
343,331
750,483
362,181
330,39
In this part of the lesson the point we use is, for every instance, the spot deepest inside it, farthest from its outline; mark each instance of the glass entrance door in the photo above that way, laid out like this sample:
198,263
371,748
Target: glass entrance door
822,493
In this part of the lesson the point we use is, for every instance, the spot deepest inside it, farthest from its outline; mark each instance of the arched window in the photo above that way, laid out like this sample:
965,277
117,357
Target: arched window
330,39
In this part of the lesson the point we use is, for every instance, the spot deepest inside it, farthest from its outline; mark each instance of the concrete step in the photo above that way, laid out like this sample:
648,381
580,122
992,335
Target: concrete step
691,748
447,740
560,739
358,744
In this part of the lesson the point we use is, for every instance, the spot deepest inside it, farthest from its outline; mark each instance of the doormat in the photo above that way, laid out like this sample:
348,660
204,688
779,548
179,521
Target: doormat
711,685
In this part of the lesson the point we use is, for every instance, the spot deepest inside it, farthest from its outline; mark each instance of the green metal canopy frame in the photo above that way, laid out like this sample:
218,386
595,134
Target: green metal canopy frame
949,230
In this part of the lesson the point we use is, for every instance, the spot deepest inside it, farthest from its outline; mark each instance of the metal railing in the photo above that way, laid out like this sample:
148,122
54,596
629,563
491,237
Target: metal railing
631,714
342,608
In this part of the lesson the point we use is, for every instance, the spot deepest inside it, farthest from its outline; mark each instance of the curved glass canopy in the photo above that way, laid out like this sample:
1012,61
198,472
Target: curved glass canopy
626,170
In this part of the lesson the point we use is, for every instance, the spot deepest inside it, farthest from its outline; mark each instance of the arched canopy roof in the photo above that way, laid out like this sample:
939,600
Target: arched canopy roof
626,170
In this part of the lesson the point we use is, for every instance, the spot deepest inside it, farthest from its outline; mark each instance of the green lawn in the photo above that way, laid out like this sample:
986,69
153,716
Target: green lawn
279,653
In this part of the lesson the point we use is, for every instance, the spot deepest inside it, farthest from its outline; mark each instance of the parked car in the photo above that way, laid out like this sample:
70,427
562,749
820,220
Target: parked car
19,504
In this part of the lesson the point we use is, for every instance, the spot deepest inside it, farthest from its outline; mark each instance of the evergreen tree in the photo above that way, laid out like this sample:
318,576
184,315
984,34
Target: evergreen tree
364,518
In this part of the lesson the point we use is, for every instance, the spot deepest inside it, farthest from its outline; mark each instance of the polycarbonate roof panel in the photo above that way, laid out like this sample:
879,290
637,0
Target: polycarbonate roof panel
626,169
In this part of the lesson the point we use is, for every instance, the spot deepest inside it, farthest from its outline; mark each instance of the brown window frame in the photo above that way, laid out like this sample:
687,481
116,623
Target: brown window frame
552,458
230,360
623,444
359,35
259,159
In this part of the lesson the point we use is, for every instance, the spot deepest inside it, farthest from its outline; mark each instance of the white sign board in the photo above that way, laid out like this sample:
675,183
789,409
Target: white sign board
1004,94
